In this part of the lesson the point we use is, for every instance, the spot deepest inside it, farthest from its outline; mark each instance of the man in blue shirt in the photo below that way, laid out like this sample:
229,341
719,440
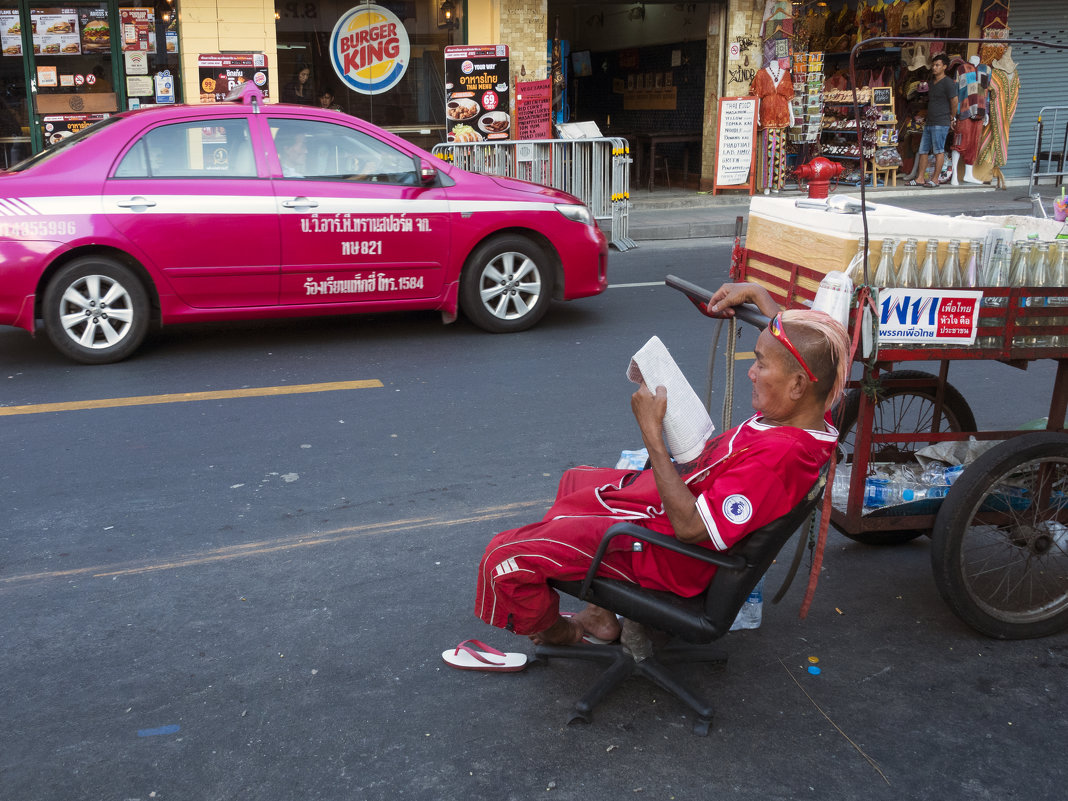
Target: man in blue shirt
941,118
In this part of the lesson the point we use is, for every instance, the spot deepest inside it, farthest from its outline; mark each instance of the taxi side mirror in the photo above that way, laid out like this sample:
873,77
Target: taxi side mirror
427,174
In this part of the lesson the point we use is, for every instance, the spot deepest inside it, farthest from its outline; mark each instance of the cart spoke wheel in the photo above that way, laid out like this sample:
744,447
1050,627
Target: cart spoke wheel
903,410
1000,542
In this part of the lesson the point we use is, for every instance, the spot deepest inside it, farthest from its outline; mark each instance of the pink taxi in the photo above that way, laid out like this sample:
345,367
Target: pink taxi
243,210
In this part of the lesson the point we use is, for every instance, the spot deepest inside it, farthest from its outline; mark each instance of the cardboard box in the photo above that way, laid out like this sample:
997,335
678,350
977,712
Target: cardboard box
821,241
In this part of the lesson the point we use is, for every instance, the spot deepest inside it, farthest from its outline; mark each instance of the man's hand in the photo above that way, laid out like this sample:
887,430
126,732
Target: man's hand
679,503
730,295
649,410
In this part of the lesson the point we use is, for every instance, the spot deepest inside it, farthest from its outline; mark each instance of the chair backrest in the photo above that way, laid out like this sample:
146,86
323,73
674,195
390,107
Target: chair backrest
729,589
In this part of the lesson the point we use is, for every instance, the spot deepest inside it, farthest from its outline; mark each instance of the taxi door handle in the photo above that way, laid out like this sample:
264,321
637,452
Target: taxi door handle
300,203
137,202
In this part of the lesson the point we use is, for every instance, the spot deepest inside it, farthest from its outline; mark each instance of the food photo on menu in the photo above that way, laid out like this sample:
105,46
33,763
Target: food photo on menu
96,36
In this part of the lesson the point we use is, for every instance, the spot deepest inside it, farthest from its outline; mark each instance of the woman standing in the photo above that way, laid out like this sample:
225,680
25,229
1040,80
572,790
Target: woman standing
299,90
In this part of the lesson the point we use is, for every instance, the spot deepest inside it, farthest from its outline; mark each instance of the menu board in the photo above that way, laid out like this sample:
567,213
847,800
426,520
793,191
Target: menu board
220,73
477,96
10,32
735,142
55,31
533,109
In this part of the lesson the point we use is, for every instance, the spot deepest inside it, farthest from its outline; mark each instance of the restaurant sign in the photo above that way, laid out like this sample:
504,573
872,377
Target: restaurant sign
369,49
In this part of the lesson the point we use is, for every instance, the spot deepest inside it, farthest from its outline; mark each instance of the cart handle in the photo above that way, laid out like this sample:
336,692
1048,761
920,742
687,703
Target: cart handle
699,297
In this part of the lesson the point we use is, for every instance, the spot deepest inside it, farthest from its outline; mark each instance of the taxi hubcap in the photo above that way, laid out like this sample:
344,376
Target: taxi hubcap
511,285
96,311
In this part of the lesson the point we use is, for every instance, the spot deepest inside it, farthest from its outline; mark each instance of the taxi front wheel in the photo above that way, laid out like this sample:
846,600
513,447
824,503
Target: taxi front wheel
506,285
96,311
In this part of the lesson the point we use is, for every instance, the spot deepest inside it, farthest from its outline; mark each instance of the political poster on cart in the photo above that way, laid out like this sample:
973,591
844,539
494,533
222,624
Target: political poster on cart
477,93
936,316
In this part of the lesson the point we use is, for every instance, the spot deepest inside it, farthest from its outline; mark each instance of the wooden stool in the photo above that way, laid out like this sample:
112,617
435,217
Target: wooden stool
887,174
660,163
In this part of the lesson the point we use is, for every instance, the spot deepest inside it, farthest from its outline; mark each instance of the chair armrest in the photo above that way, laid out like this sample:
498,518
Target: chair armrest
717,558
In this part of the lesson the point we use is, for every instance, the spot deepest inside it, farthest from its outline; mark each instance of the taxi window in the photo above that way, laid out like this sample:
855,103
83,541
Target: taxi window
201,149
325,151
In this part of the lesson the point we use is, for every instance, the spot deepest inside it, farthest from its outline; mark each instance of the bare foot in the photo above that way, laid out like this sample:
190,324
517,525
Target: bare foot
599,622
565,631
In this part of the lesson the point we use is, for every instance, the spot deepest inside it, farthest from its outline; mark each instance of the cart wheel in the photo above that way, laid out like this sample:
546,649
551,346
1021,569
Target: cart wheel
900,410
1000,541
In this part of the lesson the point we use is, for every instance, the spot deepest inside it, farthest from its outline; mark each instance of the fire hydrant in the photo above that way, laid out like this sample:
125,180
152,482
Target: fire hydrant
819,173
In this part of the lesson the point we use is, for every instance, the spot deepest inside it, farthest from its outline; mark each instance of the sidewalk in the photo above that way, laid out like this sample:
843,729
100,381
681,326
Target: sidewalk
686,214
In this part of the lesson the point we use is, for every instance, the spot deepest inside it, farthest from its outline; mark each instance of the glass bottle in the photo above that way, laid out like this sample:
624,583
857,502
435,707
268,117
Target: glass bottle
996,277
975,264
1037,275
1019,270
908,272
1058,277
951,271
855,271
929,271
884,274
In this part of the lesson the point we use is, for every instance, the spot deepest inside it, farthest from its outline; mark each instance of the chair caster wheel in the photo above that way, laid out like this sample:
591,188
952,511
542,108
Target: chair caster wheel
580,717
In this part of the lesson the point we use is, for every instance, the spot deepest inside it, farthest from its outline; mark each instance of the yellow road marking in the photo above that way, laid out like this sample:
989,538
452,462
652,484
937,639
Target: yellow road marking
186,397
263,547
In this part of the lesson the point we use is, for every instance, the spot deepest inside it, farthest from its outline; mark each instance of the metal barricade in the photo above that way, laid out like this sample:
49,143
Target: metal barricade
596,171
1051,145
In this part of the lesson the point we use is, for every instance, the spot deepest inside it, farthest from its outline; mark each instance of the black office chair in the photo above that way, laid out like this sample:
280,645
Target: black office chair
696,621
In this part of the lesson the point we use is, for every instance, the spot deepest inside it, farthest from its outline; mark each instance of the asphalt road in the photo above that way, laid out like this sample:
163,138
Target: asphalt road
247,597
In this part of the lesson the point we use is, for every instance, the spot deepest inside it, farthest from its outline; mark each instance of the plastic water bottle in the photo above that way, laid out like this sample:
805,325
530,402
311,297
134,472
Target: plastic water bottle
752,611
938,476
880,492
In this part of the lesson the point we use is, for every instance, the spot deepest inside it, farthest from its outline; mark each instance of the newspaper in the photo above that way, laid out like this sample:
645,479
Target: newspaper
687,425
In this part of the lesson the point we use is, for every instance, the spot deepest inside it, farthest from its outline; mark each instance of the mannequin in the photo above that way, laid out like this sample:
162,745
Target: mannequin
1004,93
973,81
775,88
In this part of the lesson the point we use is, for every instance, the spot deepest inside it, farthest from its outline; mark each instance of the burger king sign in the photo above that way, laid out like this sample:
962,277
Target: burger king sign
369,49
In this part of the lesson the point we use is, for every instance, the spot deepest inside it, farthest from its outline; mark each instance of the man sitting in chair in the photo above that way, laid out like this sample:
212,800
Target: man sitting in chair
743,479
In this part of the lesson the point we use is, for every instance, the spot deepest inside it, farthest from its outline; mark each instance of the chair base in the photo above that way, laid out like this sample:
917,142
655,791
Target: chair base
621,665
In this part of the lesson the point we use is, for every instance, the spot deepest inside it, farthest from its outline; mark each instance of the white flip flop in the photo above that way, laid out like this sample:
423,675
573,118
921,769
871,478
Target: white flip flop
475,655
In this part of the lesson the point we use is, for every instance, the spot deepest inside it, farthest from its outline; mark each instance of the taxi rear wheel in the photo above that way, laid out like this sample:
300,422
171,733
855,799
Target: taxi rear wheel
96,311
506,285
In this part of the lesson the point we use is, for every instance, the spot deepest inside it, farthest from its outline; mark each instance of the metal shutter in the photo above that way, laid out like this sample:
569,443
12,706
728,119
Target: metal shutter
1043,74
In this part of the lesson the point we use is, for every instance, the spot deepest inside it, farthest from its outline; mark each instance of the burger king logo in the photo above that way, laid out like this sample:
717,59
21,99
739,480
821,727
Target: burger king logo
369,49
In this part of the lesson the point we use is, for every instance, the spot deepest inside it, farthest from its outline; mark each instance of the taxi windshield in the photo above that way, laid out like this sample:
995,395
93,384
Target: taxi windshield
61,145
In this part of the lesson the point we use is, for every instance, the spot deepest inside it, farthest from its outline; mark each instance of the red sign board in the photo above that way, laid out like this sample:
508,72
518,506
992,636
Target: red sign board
533,109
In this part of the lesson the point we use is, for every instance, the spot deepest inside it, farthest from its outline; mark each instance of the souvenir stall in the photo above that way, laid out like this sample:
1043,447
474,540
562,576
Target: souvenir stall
891,84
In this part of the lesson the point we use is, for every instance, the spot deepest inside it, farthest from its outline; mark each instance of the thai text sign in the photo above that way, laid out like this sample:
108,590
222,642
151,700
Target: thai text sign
942,316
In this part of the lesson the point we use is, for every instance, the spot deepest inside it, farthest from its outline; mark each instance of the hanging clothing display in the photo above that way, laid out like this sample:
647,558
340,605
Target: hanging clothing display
771,159
775,88
994,138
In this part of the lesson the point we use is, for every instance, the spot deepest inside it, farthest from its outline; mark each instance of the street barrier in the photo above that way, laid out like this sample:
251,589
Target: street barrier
1051,145
596,171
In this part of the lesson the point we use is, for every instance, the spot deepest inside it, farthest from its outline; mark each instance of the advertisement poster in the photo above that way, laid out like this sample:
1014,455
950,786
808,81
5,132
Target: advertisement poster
60,126
477,95
55,31
940,316
220,73
138,29
533,109
10,32
369,49
96,31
